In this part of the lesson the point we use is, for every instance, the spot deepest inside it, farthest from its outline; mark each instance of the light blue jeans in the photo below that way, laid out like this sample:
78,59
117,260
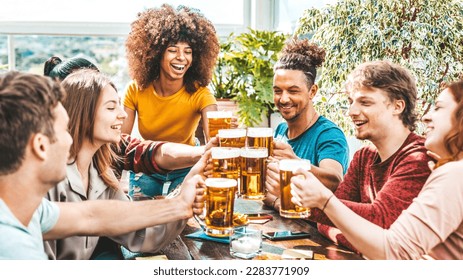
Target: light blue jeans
155,184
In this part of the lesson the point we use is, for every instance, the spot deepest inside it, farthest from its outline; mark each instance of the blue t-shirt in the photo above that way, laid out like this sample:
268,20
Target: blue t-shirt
20,242
323,140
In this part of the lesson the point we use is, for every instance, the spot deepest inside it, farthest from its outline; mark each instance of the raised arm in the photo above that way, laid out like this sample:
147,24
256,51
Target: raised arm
158,157
112,217
420,229
329,171
205,121
366,236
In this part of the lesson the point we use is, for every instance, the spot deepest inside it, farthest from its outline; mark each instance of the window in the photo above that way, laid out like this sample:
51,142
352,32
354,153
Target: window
95,29
3,53
107,52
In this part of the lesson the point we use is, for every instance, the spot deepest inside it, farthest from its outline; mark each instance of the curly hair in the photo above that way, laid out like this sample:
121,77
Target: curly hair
301,55
155,29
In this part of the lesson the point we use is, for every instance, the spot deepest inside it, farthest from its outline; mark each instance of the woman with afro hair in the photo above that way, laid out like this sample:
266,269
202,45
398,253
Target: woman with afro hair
171,55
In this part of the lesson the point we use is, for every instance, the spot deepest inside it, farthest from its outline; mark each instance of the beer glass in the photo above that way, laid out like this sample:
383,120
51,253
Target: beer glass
232,137
260,137
225,162
220,199
218,120
253,166
287,168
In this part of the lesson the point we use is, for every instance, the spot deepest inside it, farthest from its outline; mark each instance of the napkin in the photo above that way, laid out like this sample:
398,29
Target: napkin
201,235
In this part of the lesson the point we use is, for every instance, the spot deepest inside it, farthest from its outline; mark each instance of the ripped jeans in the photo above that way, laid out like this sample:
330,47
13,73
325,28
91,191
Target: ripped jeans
155,184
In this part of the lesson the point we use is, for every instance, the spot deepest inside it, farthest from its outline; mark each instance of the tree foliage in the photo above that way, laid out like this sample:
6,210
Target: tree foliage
426,36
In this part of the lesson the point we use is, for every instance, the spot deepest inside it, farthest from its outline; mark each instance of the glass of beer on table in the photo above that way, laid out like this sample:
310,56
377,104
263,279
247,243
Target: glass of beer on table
260,137
287,169
218,120
232,137
225,162
220,199
253,166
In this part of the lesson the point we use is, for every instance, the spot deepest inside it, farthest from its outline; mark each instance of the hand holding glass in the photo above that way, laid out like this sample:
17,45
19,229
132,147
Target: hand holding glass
220,199
287,168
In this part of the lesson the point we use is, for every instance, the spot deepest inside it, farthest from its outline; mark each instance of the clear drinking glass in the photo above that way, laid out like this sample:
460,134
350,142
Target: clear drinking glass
220,199
246,242
218,120
287,168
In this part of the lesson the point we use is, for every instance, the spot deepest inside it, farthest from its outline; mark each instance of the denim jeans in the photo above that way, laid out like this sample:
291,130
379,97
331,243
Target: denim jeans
155,184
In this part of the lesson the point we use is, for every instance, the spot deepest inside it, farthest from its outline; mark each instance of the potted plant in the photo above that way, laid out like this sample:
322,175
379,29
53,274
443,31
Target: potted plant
245,73
224,80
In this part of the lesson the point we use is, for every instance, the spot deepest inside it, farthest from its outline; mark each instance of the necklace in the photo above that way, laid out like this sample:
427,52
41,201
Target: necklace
310,122
308,125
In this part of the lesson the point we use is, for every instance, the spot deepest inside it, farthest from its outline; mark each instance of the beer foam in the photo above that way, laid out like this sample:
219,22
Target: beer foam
232,133
260,132
219,114
225,152
254,152
293,164
221,182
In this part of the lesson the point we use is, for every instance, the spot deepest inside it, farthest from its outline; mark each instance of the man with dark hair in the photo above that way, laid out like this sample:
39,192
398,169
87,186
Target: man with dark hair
382,178
34,144
305,134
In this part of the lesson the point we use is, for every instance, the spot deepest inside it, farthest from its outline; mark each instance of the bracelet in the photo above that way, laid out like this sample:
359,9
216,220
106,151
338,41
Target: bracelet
275,200
328,200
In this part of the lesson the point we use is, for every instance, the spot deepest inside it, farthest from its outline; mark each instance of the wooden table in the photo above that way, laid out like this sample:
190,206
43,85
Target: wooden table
185,248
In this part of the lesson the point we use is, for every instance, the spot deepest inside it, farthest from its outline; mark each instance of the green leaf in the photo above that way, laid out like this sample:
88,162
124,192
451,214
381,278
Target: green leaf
424,36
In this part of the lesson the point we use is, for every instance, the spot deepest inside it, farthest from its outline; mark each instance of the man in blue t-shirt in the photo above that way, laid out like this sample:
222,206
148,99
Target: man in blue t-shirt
304,134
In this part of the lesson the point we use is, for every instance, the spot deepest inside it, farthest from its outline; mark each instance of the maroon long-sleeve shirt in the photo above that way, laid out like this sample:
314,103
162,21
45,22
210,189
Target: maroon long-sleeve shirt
380,191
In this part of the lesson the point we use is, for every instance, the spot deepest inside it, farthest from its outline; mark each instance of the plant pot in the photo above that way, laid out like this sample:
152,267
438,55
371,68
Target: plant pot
225,104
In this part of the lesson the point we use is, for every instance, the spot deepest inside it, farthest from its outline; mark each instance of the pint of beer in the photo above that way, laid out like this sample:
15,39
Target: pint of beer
260,137
218,120
225,162
287,208
220,199
232,137
253,166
